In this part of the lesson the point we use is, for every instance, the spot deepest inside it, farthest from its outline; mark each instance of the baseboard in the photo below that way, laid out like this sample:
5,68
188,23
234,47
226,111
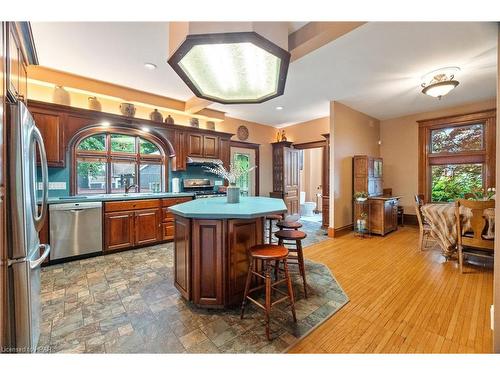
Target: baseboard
337,232
410,219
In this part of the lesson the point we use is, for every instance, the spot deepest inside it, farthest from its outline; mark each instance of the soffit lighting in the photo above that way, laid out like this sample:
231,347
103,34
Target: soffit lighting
440,82
150,66
232,68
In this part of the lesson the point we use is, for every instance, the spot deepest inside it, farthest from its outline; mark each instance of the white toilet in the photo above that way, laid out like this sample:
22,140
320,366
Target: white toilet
306,208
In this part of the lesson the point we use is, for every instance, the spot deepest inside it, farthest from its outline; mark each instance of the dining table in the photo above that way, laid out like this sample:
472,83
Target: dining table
442,221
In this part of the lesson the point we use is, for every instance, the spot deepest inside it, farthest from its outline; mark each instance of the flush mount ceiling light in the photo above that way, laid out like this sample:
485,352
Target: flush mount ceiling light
231,67
440,82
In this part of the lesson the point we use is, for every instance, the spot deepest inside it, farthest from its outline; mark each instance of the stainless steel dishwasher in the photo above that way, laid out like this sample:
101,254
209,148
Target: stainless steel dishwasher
75,229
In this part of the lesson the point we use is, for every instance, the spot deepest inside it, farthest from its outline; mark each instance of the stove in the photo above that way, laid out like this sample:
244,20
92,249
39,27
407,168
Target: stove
201,187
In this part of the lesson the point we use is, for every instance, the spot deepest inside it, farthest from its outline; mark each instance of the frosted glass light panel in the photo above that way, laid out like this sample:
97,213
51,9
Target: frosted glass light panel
232,68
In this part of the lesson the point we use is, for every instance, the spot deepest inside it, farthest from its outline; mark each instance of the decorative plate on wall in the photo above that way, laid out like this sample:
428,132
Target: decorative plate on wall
242,133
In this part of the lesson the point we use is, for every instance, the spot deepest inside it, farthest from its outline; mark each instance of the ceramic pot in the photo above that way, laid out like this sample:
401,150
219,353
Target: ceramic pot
233,194
156,116
61,96
169,120
127,109
210,125
194,122
94,104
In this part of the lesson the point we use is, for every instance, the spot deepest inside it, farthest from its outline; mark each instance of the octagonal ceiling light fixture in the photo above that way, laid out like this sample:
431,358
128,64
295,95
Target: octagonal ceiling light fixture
232,67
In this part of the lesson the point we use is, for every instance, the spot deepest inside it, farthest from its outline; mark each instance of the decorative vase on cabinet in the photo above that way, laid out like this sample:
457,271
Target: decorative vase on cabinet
61,96
94,104
156,116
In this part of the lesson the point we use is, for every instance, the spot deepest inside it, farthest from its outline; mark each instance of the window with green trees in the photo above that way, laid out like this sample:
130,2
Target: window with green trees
456,161
110,162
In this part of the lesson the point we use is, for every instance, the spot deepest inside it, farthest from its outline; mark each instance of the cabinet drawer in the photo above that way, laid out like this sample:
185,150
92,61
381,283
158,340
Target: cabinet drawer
167,202
131,205
168,231
166,215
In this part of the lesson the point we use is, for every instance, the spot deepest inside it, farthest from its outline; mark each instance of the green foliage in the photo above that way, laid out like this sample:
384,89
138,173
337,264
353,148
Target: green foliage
457,139
242,162
450,182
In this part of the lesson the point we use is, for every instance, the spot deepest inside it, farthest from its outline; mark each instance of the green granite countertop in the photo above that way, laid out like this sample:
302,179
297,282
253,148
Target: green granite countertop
115,197
218,208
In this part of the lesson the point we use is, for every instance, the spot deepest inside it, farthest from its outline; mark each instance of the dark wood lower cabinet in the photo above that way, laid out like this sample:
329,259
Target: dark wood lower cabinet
207,262
119,230
211,260
147,226
129,224
242,234
383,215
182,256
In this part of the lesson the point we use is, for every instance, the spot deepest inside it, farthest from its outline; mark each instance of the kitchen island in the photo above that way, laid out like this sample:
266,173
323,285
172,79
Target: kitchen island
211,241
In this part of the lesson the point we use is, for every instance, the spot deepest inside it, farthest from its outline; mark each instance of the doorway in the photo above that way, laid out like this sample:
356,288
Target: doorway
246,155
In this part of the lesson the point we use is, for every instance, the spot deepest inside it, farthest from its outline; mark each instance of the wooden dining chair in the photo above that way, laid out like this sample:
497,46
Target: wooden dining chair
424,228
471,239
468,196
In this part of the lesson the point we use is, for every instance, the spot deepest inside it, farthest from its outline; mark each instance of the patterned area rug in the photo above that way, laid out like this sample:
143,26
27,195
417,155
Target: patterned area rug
126,303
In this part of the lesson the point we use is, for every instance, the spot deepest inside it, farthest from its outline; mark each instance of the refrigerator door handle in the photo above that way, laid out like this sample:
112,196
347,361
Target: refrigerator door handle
36,263
38,216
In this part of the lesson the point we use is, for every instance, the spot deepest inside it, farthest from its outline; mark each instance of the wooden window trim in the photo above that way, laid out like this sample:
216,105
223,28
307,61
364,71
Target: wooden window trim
109,156
256,148
486,156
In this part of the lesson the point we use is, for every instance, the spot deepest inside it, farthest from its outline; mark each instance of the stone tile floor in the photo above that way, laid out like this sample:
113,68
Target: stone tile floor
126,303
313,230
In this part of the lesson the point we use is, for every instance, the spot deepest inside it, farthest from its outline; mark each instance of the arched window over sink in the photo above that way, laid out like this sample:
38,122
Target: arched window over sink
117,162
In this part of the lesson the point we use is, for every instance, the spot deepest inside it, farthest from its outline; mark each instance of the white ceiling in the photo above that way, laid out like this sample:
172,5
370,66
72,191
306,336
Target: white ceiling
375,69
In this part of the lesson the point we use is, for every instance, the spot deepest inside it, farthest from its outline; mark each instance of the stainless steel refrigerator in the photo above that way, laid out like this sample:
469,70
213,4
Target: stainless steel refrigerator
24,220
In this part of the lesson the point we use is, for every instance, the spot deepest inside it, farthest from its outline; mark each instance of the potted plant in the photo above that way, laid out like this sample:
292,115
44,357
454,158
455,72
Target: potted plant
361,222
231,175
361,196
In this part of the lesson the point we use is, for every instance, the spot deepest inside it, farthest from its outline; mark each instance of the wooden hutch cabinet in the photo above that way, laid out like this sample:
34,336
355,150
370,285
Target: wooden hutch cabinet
286,177
368,177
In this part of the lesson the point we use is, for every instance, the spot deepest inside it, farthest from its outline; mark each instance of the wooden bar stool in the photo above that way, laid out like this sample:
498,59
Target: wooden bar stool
297,236
268,255
270,219
295,225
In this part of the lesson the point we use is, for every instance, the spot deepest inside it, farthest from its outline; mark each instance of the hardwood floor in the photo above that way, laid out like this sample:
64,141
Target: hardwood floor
401,300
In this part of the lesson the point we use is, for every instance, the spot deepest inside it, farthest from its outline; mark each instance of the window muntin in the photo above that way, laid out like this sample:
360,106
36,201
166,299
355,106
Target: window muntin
458,139
108,162
452,181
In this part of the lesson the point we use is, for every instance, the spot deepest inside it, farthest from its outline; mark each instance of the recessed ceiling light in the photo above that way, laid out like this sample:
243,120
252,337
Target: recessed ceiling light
279,108
105,124
150,66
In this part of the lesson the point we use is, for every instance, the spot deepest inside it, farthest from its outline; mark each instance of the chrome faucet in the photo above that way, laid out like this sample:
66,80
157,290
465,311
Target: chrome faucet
128,187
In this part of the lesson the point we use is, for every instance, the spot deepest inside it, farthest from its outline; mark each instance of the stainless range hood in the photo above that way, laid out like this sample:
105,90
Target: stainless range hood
194,160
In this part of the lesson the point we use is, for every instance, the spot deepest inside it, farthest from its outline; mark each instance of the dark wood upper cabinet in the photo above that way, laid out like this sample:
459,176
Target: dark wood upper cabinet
368,175
179,162
51,125
195,145
200,145
210,146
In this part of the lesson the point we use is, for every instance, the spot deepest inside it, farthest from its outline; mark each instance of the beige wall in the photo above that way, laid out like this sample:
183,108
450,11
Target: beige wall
399,149
308,131
352,133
